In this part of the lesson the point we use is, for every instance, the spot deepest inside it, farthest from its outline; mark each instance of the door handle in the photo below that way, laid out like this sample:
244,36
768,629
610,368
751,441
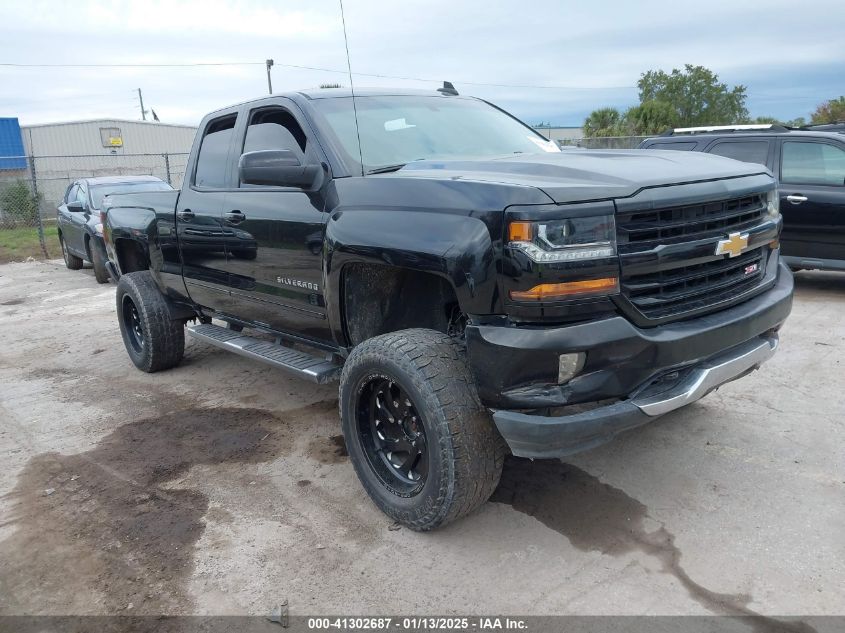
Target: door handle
796,198
185,215
235,217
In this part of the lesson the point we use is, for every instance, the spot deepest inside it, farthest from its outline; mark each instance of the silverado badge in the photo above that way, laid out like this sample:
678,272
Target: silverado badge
733,246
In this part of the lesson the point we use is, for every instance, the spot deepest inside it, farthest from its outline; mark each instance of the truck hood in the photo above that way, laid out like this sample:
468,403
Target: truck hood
576,175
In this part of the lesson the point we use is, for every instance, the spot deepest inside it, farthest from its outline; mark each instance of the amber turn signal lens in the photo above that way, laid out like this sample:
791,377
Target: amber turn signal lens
550,292
519,232
774,244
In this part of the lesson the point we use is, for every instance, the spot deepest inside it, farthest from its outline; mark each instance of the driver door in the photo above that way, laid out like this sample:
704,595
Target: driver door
274,258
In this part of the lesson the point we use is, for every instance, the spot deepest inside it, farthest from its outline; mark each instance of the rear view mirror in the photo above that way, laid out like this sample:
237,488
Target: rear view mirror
277,168
75,206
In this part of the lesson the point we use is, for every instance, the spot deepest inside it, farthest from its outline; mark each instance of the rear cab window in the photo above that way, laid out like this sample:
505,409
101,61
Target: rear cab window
213,156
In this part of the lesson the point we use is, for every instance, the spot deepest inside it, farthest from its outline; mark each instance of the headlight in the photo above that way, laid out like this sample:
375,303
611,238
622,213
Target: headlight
98,228
567,240
773,203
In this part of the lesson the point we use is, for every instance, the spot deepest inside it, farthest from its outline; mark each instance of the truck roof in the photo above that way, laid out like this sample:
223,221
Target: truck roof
313,94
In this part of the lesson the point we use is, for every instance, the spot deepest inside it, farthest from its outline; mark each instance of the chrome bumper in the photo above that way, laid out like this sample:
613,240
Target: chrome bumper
710,375
540,436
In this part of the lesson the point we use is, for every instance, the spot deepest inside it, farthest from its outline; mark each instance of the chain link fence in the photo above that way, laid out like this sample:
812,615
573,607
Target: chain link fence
31,187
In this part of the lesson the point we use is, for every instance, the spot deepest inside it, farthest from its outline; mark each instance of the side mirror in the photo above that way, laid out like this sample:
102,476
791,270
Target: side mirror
75,206
277,168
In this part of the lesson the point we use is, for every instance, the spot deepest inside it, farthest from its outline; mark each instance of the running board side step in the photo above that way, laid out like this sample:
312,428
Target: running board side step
314,368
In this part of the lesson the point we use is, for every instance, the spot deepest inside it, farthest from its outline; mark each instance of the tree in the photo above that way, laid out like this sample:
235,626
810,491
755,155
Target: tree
651,117
603,122
683,98
830,111
695,95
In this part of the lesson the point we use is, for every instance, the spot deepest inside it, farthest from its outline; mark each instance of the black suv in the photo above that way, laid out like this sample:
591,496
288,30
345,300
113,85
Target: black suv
810,168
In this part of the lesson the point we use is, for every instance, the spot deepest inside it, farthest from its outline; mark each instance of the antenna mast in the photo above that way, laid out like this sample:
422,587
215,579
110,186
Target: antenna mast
351,86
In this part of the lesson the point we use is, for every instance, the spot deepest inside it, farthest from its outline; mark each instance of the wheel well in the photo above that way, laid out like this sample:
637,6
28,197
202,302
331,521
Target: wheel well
380,299
130,256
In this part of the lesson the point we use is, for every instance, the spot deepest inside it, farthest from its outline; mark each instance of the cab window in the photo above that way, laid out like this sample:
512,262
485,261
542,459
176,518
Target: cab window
681,147
746,151
806,163
214,153
82,194
276,128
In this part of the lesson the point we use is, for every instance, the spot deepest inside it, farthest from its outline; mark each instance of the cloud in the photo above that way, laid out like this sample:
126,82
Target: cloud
590,53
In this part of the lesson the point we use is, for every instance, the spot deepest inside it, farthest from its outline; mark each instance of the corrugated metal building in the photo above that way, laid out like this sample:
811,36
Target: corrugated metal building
64,152
560,133
106,137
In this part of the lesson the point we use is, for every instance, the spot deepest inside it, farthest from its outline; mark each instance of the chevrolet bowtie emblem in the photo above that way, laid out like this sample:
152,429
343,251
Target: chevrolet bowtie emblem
733,246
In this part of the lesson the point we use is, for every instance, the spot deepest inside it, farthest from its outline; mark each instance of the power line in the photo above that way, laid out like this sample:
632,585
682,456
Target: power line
314,68
13,65
360,74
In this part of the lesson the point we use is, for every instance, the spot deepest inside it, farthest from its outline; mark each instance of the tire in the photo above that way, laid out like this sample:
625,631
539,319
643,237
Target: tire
153,340
100,271
461,462
71,261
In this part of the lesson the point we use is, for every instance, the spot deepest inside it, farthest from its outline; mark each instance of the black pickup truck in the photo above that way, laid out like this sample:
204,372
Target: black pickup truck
475,290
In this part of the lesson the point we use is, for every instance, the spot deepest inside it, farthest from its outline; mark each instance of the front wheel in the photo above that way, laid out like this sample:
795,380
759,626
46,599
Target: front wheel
424,448
153,340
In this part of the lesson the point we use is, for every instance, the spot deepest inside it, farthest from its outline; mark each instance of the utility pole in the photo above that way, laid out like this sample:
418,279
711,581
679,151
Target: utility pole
141,99
269,81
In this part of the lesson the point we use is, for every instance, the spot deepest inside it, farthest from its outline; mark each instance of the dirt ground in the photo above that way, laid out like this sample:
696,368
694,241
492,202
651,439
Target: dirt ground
223,487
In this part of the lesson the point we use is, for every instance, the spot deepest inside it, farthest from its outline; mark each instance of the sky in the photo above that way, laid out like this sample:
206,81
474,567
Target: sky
543,60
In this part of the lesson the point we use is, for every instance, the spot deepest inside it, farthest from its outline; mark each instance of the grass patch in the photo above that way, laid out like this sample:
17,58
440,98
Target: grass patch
18,244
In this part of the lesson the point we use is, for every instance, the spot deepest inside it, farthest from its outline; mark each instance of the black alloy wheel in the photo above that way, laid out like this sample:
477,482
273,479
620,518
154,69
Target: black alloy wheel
393,435
423,446
133,324
154,340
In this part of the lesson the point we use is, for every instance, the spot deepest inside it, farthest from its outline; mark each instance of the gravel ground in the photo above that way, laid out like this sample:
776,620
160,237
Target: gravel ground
223,487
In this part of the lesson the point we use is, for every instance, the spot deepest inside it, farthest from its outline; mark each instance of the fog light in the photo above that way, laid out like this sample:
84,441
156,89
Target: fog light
569,366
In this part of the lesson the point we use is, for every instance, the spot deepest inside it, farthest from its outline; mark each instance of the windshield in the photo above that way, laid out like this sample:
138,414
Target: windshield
98,192
395,130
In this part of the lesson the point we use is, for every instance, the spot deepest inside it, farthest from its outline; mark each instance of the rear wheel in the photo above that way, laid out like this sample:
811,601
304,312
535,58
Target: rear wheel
153,340
423,446
71,261
100,271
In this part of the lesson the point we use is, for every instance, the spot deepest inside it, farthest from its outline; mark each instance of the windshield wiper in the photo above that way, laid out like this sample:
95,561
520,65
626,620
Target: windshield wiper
386,169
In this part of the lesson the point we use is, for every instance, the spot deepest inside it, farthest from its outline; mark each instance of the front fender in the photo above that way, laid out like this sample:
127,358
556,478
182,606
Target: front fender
457,248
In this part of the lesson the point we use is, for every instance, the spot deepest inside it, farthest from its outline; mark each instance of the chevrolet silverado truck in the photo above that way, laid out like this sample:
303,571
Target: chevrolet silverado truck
474,290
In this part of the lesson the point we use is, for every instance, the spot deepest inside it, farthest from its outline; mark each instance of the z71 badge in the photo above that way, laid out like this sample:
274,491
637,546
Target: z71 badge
297,283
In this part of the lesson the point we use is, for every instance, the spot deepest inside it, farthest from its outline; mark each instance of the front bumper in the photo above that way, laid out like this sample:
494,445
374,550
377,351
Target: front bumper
542,436
645,372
